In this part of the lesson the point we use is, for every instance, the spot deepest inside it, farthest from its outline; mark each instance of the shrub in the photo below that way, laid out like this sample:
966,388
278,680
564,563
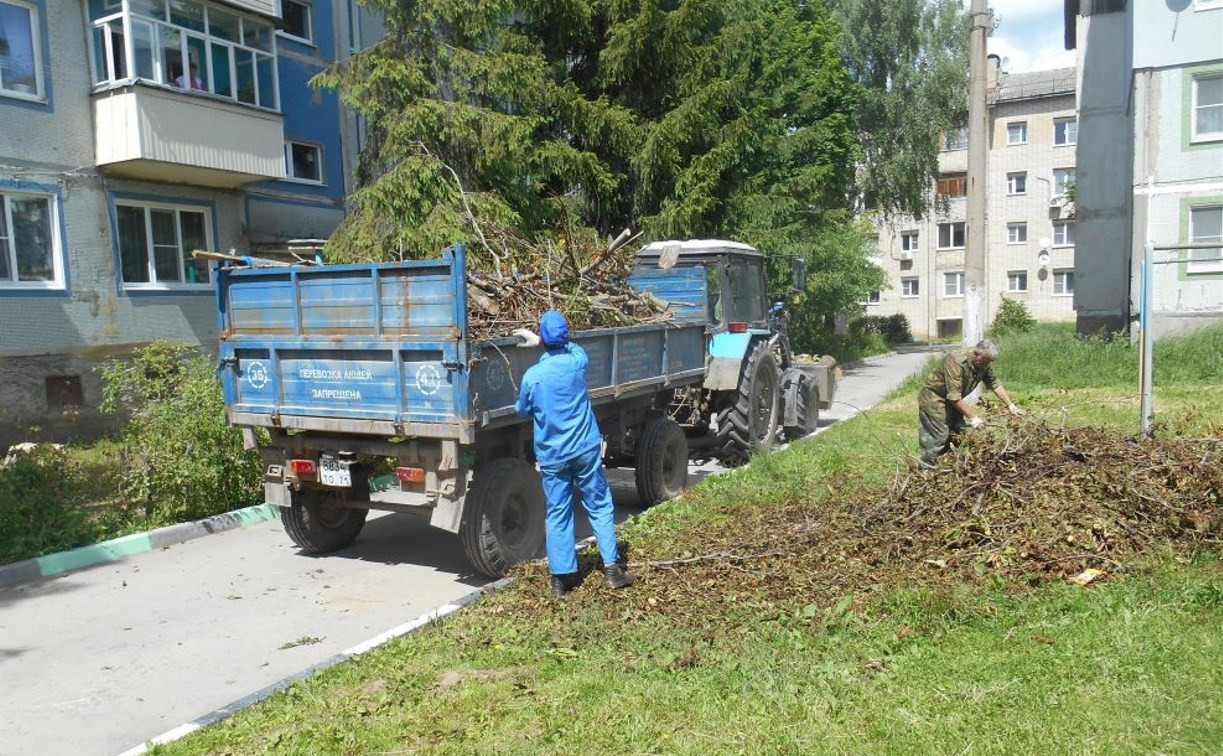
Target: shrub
181,460
893,328
36,504
1013,317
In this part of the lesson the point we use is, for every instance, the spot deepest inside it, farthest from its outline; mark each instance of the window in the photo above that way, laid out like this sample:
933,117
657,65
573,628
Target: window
908,241
1062,178
1065,131
953,185
1205,225
303,162
872,298
296,18
1017,281
1017,183
1063,283
28,254
950,328
1208,107
20,51
155,244
1063,234
955,139
909,287
1017,133
950,235
953,284
1016,233
188,45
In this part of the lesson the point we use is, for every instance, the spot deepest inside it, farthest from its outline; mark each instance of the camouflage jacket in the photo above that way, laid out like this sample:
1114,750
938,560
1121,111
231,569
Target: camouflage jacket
955,377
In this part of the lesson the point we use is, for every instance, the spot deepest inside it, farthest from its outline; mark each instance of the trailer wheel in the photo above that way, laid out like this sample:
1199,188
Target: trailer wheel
662,462
800,387
748,418
320,520
503,516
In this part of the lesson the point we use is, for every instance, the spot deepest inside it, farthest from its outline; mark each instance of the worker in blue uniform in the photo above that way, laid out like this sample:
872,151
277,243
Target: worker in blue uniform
568,449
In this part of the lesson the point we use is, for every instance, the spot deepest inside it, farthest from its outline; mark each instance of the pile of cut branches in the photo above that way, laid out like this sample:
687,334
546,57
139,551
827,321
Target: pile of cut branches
1027,503
511,282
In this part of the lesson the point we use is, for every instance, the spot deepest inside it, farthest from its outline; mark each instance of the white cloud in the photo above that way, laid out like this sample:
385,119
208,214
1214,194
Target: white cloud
1029,35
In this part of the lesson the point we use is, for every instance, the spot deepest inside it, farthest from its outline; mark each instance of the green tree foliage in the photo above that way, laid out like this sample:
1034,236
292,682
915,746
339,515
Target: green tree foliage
911,56
679,117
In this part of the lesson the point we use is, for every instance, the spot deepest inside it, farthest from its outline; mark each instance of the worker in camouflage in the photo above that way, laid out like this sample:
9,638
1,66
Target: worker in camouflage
941,408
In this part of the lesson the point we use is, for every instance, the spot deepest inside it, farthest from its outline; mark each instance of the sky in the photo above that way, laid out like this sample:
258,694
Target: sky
1029,35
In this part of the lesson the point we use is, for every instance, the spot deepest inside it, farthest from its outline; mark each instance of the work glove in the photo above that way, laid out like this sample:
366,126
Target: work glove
1016,410
976,422
529,337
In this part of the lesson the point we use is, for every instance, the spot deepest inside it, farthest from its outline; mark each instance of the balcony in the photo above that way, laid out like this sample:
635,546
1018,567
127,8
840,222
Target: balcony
149,132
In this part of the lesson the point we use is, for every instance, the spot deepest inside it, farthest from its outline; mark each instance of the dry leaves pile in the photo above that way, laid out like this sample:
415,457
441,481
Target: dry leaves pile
1030,503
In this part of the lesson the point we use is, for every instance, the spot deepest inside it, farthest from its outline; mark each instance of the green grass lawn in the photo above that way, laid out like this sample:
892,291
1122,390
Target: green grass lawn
687,663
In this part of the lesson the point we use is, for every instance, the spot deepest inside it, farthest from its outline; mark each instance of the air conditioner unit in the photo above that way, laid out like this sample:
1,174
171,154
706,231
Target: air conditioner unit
906,254
1058,200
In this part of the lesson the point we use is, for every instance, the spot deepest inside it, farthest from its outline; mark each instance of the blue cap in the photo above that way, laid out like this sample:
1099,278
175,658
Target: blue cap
553,329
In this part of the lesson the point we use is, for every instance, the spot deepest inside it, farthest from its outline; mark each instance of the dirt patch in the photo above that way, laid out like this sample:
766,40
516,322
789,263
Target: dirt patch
452,678
1028,505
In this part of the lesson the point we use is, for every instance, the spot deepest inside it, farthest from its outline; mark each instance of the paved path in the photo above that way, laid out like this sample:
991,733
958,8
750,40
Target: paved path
99,660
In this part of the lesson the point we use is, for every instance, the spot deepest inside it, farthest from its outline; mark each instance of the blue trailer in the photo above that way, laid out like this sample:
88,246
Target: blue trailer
336,372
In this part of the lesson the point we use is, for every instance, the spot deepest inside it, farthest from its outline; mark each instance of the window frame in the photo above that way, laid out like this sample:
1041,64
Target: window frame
307,40
958,277
318,150
1194,136
123,21
1016,282
1062,277
1021,227
1023,125
1067,236
904,287
1016,180
1193,267
1070,176
1063,121
953,185
909,241
951,225
39,94
57,282
178,208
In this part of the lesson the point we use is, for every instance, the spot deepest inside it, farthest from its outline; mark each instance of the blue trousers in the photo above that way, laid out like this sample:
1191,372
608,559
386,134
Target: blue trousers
585,474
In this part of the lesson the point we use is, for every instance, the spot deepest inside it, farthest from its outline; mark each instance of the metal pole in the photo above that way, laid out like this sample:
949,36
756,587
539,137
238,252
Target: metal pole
974,252
1146,372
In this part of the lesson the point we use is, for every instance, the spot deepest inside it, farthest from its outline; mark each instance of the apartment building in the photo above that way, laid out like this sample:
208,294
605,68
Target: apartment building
131,133
1150,97
1030,214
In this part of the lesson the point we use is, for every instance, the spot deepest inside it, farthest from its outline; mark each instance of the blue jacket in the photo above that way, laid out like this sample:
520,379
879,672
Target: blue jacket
554,395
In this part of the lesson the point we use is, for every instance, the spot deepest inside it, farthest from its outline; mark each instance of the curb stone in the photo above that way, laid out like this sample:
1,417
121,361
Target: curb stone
50,565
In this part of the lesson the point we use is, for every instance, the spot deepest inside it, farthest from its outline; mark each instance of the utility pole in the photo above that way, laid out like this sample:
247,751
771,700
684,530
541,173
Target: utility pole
978,157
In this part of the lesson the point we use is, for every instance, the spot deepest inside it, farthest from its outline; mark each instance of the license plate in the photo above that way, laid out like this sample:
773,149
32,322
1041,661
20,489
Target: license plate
335,473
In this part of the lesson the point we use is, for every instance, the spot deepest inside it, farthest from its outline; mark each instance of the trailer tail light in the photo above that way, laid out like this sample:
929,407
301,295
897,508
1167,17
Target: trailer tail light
737,327
410,474
302,466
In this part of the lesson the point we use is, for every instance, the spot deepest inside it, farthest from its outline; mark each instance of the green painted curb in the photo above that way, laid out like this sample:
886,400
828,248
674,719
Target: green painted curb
130,545
116,548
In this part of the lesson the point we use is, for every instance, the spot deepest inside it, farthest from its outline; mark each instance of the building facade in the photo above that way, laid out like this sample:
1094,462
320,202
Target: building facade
131,133
1030,246
1151,149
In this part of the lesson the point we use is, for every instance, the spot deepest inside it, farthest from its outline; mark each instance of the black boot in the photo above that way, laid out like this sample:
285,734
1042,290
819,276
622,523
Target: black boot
617,577
562,584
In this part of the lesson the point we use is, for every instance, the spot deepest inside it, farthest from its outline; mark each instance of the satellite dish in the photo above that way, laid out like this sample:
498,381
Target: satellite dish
1043,260
1044,242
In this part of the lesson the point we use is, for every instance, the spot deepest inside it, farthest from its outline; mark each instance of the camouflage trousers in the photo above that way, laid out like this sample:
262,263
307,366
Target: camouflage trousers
938,420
